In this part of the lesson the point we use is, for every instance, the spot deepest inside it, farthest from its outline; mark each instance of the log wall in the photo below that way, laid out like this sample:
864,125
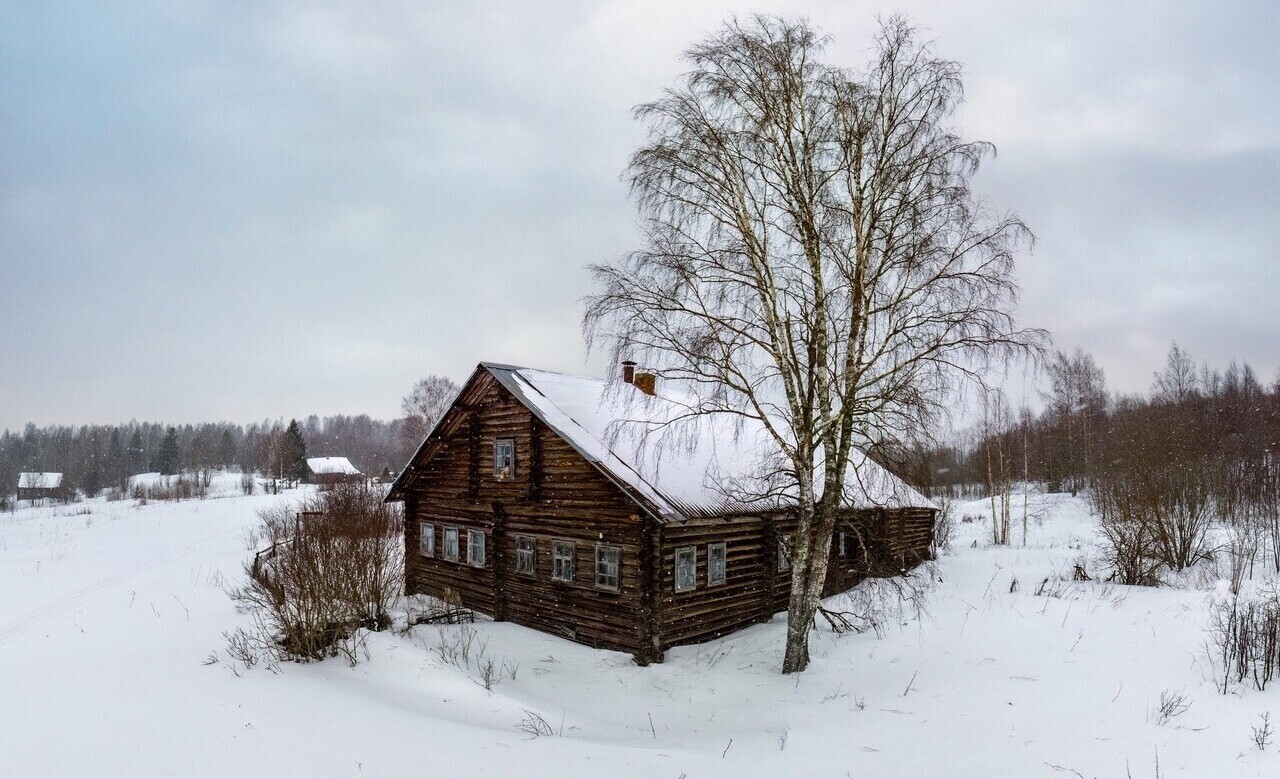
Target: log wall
555,494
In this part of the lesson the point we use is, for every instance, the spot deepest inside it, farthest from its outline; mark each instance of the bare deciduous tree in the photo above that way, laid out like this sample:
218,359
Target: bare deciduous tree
1077,400
997,427
1178,382
424,405
815,258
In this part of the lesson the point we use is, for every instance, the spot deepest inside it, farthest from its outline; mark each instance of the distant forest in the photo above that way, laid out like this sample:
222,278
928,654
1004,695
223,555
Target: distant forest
94,457
1194,418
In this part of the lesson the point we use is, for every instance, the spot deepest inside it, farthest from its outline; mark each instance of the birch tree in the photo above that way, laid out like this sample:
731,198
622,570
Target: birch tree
813,257
423,407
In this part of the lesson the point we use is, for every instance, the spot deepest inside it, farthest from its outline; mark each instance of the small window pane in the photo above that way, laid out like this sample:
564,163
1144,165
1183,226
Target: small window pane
562,561
608,565
784,556
427,539
451,544
504,459
716,556
686,568
526,555
475,547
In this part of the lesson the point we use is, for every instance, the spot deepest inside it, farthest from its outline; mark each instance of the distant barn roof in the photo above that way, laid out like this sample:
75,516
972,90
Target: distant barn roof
39,480
326,465
680,468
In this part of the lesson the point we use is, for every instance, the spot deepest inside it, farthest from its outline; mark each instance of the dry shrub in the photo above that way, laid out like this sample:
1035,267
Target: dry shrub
333,564
945,525
1244,638
1154,517
184,486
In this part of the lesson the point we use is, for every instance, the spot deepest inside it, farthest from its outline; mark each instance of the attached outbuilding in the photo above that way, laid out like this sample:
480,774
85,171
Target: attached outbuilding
589,510
332,470
38,485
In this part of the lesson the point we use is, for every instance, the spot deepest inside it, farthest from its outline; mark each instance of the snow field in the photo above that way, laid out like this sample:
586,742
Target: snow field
107,619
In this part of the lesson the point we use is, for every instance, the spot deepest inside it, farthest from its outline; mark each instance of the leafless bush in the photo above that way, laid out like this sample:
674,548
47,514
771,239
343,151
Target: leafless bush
534,724
248,483
944,527
1243,546
184,486
333,565
1245,638
1173,704
1262,732
1126,531
878,602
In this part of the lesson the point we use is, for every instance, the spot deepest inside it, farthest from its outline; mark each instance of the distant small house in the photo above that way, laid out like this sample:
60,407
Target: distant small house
529,503
332,470
38,485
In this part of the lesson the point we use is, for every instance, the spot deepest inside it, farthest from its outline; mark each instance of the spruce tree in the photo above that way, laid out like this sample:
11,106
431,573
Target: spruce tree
227,450
167,462
295,451
137,452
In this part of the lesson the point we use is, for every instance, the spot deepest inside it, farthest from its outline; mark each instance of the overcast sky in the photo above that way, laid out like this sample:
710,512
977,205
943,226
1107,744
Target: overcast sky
239,210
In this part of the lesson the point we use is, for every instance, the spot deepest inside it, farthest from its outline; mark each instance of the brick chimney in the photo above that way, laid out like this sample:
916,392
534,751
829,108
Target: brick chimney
629,371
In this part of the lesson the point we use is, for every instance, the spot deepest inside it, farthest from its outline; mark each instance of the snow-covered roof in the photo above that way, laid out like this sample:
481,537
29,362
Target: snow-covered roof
323,465
679,465
39,480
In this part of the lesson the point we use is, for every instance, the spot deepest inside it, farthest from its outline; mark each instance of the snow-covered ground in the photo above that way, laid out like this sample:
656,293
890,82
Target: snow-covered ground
110,611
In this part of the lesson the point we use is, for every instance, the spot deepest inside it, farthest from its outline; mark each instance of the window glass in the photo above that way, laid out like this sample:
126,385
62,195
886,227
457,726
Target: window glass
427,539
504,459
526,555
451,543
475,547
784,556
686,568
716,556
608,565
562,561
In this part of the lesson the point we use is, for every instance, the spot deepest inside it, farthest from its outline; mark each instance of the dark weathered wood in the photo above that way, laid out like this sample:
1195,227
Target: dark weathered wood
556,495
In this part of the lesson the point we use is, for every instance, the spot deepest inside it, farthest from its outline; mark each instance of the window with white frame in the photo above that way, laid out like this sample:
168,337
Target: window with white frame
562,561
450,550
717,555
686,568
475,548
426,539
526,555
784,553
608,568
504,459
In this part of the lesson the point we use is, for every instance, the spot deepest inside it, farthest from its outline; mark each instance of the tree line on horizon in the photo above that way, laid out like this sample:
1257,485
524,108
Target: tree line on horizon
95,457
1193,416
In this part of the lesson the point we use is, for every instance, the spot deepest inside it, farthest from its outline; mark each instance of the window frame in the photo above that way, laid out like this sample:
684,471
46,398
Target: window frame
427,530
532,553
497,474
472,534
617,574
557,546
723,548
444,543
693,579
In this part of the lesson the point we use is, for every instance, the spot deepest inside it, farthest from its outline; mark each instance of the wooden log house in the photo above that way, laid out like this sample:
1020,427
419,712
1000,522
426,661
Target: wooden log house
39,485
332,470
566,504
